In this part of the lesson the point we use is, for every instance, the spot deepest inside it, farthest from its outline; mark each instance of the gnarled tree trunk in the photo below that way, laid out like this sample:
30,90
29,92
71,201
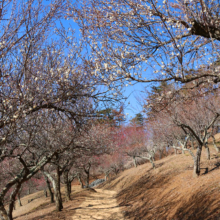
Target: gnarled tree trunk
70,180
80,180
87,172
12,200
196,170
3,212
67,184
49,189
59,203
152,163
19,200
56,186
134,161
19,197
70,187
207,151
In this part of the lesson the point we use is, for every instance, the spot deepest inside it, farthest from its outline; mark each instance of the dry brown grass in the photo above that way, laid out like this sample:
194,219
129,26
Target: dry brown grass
167,193
170,191
41,208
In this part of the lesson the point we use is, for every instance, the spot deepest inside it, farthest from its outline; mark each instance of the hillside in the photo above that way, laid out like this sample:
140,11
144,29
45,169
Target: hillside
168,192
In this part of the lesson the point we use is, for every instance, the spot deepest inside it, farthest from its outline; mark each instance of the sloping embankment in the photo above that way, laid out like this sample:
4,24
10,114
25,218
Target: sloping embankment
170,191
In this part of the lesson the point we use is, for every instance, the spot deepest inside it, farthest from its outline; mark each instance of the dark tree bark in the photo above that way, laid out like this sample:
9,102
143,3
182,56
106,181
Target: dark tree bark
67,184
19,200
70,180
196,170
59,203
17,181
3,212
56,186
87,172
115,170
19,196
12,200
70,187
45,192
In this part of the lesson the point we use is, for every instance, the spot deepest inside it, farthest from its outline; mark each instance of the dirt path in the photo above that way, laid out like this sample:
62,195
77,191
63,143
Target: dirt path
100,205
85,204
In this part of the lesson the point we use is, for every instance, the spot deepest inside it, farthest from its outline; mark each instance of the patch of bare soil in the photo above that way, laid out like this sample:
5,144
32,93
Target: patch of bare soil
170,191
101,205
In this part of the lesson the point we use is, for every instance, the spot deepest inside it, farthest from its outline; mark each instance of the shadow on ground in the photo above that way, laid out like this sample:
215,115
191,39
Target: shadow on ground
46,211
170,192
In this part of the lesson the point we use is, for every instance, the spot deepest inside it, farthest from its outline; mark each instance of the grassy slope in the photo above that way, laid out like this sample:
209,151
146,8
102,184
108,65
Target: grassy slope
170,191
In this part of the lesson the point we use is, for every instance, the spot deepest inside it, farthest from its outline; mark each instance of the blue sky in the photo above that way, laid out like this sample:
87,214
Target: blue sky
134,95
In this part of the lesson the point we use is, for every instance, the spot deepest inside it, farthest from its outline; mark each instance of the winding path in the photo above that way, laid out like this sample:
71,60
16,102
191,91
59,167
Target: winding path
100,205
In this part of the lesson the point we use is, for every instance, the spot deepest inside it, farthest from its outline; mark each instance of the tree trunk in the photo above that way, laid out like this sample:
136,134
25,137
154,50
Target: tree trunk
70,187
214,144
87,180
50,192
70,180
12,200
45,192
160,154
134,161
87,172
19,200
56,186
17,181
152,163
80,180
67,183
19,195
196,170
183,151
207,151
107,174
3,212
59,202
49,189
175,151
